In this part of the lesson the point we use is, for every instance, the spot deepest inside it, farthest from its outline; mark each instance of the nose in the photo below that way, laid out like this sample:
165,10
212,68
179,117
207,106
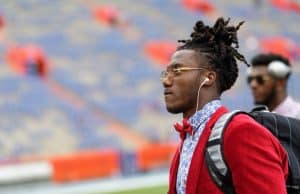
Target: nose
166,78
166,81
253,84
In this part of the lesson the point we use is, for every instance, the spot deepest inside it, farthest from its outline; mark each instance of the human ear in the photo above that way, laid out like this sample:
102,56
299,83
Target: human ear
210,77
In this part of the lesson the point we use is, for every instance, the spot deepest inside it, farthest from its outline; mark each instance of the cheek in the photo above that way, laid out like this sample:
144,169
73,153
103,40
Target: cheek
187,93
263,92
179,96
184,94
267,88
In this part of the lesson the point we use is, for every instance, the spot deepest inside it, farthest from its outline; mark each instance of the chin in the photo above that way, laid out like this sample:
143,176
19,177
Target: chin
259,102
174,110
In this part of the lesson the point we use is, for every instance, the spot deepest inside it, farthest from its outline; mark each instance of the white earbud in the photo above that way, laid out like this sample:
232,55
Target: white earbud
279,69
203,82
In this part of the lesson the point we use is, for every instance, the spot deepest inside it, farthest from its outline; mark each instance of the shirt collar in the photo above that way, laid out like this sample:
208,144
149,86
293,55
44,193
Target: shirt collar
205,113
286,103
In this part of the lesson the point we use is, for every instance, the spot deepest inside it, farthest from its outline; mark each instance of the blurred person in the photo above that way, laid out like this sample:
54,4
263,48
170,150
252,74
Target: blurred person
113,17
2,25
1,21
200,70
268,79
28,60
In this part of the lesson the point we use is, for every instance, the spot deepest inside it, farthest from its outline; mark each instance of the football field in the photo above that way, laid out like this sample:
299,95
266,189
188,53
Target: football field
154,183
147,190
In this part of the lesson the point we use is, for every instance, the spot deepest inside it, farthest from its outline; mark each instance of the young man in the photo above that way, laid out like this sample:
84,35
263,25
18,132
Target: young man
267,79
201,69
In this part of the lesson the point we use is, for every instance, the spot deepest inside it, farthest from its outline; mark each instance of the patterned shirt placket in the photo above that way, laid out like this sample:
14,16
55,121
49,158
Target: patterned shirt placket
198,121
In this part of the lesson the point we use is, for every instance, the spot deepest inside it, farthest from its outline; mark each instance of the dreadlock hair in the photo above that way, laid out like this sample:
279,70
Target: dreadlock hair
216,44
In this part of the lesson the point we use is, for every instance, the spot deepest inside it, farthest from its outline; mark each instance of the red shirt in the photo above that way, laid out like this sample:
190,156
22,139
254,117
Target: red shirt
256,159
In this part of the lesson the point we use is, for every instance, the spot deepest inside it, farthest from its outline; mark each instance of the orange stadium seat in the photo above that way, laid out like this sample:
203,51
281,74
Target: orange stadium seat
107,15
160,51
279,45
288,5
202,6
2,23
20,57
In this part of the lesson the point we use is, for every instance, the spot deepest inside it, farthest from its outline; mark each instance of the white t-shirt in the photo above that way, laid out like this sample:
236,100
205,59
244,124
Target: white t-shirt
289,107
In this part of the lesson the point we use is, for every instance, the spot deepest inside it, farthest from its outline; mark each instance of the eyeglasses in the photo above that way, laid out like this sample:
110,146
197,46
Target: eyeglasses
260,79
176,71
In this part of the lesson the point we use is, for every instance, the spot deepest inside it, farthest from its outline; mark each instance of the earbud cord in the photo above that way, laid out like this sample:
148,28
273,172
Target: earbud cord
200,86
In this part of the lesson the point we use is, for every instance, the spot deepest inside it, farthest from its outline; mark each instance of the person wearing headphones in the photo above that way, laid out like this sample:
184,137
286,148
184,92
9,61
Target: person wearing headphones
268,78
199,71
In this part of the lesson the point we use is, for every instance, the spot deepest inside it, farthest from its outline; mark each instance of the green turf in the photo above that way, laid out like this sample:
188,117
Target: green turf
150,190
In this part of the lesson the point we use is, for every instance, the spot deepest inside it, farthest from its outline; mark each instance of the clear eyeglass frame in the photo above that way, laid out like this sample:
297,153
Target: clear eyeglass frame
176,71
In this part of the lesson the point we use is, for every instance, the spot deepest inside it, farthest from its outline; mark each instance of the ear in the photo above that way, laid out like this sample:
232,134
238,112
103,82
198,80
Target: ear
211,77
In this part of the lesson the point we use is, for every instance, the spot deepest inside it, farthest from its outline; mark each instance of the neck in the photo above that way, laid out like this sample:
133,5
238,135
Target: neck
279,98
202,103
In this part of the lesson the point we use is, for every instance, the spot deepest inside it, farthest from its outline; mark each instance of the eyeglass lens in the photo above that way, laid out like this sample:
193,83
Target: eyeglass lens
259,79
167,72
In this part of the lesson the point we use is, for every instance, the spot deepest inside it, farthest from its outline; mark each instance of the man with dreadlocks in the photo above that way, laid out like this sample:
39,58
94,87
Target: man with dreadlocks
200,70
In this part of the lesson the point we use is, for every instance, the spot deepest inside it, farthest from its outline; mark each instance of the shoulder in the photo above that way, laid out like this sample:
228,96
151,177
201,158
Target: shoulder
296,107
289,107
244,134
243,122
252,152
243,128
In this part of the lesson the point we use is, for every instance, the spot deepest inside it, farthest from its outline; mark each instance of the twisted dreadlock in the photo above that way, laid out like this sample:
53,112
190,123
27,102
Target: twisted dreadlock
216,44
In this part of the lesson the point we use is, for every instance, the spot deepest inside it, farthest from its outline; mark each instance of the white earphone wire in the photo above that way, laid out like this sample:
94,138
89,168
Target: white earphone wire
200,86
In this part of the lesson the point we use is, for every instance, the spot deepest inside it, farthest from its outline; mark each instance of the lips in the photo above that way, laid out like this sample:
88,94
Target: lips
167,92
257,95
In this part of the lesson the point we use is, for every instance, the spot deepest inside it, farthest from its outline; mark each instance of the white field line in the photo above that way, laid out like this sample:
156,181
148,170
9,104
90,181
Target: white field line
95,186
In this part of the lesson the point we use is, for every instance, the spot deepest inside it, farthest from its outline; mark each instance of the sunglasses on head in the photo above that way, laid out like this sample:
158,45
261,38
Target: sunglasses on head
260,79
